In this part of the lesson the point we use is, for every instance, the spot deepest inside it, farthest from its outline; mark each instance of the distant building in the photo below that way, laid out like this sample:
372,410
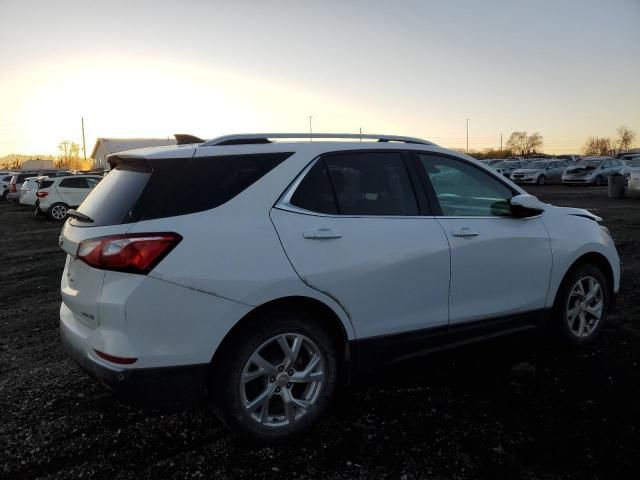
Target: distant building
107,146
37,164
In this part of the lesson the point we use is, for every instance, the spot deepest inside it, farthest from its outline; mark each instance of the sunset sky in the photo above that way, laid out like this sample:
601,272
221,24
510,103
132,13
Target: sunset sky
565,68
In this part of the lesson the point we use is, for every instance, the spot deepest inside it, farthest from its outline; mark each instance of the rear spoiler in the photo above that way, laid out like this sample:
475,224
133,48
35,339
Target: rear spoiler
186,139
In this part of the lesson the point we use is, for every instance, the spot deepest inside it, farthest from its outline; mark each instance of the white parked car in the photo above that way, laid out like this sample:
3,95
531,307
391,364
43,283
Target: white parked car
272,271
28,191
30,186
59,194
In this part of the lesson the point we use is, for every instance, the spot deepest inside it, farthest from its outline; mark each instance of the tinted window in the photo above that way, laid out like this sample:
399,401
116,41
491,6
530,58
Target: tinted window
314,191
170,187
73,183
45,183
371,183
464,190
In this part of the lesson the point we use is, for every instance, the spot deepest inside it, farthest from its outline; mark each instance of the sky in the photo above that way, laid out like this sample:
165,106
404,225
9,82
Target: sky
565,68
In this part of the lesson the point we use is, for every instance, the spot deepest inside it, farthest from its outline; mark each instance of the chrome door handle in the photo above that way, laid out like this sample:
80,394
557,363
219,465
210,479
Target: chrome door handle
322,234
465,232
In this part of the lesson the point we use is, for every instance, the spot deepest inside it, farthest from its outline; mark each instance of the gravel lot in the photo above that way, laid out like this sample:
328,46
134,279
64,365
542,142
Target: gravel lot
517,409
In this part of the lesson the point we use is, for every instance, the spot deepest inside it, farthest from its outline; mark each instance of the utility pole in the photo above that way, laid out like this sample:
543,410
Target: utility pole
84,145
310,129
500,142
468,134
361,134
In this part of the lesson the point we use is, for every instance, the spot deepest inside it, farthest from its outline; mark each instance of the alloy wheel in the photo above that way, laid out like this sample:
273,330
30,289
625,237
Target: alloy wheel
282,380
59,212
585,306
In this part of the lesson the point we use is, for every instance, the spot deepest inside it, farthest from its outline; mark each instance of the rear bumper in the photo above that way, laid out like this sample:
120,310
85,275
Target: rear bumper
181,386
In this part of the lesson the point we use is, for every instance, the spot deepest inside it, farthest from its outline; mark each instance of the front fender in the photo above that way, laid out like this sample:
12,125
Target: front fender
572,237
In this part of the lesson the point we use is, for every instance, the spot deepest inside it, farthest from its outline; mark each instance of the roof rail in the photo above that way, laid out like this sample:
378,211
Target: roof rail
252,138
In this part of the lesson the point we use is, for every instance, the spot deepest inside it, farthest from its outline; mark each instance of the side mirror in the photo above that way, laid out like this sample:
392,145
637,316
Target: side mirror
525,206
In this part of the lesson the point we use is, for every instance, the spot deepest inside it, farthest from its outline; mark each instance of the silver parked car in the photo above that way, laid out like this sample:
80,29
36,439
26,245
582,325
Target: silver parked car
592,171
506,168
540,172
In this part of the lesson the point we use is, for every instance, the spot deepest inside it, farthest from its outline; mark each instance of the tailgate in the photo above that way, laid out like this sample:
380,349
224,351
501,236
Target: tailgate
81,285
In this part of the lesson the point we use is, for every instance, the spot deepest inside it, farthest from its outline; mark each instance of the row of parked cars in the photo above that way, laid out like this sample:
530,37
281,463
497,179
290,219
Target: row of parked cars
52,192
567,169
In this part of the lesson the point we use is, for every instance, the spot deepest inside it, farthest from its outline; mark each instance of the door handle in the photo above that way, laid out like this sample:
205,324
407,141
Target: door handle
322,234
465,232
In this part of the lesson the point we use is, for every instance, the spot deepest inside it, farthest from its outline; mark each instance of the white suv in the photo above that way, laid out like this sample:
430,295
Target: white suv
262,274
56,196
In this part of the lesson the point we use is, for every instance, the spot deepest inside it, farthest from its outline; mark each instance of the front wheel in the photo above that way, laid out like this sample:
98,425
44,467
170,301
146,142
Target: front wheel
581,305
277,378
542,180
58,211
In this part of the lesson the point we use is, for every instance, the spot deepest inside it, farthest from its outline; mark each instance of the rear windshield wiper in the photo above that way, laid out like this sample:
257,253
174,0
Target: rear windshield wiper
79,216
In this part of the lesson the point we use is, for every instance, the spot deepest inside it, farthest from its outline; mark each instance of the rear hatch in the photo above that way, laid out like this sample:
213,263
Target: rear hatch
108,206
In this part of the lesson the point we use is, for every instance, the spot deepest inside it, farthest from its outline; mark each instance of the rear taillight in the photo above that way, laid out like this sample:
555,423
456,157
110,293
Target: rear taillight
12,188
41,194
136,253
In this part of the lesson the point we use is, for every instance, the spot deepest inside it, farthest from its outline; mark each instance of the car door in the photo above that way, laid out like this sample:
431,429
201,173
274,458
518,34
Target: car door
355,227
500,265
72,190
558,170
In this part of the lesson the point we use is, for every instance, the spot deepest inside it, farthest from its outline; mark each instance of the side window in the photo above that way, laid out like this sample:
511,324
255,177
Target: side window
92,182
73,183
314,191
371,183
606,164
463,190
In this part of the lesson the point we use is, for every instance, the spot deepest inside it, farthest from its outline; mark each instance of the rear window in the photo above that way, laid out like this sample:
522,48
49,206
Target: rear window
170,187
45,183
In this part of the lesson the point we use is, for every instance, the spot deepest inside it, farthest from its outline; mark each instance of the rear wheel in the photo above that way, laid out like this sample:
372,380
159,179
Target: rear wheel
598,181
581,305
4,195
542,180
277,378
58,211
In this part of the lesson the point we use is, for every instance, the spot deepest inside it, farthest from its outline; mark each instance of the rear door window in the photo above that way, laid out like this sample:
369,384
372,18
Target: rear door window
358,183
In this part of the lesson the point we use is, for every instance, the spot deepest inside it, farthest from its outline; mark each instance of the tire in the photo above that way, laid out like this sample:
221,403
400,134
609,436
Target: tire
581,329
238,404
598,181
58,212
4,195
542,180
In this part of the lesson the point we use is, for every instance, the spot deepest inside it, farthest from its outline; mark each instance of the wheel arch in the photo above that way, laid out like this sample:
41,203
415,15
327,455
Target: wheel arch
319,310
592,258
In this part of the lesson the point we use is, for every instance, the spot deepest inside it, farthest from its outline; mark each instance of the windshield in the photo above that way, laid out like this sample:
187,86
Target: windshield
502,165
537,165
634,163
589,163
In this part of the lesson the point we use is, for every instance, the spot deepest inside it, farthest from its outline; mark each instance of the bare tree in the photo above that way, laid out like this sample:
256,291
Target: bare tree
69,156
625,139
598,146
522,144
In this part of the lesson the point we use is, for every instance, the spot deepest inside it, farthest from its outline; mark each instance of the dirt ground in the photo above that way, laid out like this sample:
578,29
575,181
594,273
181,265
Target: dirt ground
463,414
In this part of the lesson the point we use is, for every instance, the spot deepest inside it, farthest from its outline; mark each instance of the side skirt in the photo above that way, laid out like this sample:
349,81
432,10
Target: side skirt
388,349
